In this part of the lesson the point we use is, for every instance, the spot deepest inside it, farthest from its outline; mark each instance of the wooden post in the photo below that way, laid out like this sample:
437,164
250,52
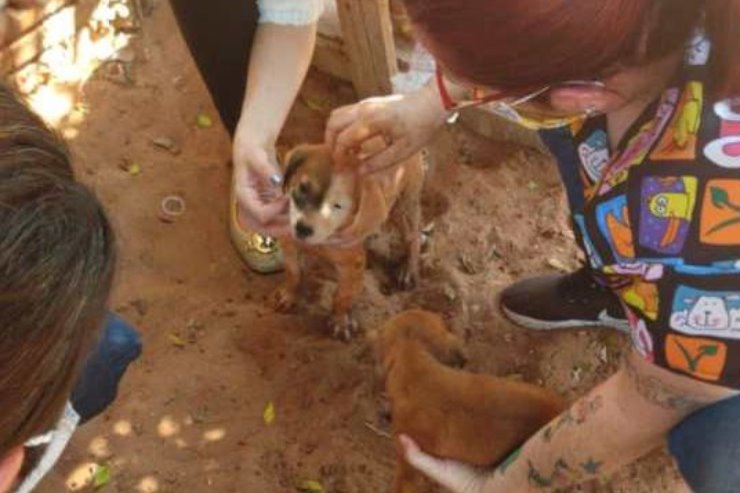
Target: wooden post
368,39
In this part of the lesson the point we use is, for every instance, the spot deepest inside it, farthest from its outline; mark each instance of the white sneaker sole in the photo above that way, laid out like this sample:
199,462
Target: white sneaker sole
535,324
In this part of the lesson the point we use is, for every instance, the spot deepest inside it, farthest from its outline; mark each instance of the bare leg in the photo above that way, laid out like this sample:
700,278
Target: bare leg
409,211
284,297
350,264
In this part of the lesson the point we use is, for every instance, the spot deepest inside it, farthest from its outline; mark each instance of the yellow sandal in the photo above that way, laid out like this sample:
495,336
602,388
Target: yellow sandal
261,253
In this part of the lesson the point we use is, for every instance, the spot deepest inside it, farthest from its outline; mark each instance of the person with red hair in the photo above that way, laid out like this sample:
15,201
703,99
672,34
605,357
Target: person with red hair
639,101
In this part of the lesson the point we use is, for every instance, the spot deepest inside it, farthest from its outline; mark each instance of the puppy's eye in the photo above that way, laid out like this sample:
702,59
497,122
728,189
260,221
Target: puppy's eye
338,207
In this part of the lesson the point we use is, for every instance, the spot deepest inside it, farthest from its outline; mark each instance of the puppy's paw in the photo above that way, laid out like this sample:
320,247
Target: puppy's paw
283,299
344,327
408,277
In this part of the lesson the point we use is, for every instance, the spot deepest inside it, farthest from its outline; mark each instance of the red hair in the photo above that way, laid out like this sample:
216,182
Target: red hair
513,44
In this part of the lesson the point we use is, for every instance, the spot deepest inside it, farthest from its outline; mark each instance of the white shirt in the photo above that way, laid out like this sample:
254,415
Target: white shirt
294,12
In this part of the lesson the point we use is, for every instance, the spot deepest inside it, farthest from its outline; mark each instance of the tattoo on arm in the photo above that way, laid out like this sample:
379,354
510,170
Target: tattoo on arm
561,470
660,394
575,415
509,461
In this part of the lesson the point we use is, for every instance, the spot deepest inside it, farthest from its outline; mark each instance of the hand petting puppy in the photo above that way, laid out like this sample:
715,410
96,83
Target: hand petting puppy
455,476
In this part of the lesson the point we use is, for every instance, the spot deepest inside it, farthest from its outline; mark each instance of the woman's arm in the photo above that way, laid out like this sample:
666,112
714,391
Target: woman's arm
613,425
281,55
280,58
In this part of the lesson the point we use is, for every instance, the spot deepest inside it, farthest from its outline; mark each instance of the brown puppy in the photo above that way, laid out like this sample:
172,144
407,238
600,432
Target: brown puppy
326,200
450,413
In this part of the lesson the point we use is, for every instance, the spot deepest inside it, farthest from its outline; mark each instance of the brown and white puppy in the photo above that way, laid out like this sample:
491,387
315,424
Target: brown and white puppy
451,413
328,202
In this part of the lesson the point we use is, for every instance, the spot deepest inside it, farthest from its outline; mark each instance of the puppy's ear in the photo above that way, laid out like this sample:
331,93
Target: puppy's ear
293,162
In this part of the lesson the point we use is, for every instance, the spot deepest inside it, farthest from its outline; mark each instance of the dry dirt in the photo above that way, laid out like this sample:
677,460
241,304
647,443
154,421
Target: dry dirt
190,413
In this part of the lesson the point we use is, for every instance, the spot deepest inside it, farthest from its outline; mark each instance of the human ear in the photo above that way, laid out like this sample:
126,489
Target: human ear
585,99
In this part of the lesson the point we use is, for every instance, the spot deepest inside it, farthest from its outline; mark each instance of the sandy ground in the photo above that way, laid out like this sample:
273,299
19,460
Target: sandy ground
190,413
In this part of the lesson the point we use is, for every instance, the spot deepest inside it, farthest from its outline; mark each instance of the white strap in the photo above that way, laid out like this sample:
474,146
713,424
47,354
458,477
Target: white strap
57,440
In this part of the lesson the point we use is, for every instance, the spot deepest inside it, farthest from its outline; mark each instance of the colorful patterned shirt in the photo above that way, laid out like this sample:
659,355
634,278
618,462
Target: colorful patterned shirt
659,220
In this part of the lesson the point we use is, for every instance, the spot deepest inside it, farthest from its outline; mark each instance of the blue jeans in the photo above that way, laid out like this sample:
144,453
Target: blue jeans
706,446
97,385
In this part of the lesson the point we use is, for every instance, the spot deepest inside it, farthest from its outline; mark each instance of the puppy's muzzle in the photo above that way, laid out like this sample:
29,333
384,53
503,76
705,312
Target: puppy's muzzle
303,231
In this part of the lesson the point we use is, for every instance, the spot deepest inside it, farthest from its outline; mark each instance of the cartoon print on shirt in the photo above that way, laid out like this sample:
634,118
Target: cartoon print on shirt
614,223
638,147
720,216
701,358
679,141
648,272
642,296
666,212
641,338
725,151
594,154
706,313
593,256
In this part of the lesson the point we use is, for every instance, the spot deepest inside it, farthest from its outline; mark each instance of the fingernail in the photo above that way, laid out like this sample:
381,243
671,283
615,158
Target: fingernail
276,179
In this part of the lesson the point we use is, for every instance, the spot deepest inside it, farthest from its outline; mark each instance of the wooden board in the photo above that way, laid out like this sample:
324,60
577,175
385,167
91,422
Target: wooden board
368,40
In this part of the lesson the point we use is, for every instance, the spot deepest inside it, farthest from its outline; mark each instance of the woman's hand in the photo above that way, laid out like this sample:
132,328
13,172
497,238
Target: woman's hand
405,122
455,476
257,188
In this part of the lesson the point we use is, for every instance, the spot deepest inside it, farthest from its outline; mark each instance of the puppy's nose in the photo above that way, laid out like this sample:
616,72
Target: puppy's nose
303,231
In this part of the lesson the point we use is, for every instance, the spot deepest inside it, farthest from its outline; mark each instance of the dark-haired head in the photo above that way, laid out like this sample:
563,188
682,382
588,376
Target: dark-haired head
57,259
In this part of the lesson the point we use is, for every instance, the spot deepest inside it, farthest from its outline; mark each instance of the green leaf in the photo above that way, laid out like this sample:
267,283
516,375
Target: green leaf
101,476
720,197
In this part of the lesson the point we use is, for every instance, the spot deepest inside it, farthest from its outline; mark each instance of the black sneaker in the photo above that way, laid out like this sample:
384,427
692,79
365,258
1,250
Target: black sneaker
563,301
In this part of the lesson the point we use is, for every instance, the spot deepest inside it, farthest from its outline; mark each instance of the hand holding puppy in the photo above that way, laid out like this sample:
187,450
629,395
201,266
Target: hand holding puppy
405,122
455,476
262,205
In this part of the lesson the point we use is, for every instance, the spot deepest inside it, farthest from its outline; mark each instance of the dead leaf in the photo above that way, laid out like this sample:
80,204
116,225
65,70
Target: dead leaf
557,264
315,105
310,486
469,265
177,341
269,414
204,121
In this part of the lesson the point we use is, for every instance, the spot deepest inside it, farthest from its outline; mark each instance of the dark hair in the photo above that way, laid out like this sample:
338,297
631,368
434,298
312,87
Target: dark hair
57,257
523,44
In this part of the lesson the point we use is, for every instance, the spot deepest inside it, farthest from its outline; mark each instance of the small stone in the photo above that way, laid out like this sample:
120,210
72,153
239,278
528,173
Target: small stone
167,144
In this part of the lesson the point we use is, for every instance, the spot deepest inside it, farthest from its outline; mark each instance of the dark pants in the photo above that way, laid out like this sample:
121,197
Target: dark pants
97,385
219,34
706,446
